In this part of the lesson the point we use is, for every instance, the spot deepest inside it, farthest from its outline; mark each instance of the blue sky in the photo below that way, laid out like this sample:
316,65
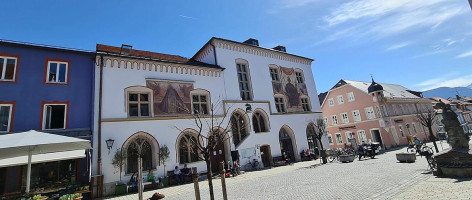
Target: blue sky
420,44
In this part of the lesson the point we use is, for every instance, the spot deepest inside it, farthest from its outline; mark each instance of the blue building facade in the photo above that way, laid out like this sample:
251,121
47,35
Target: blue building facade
49,89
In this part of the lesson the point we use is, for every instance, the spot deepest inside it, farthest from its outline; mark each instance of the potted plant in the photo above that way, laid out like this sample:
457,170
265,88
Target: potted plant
163,158
118,162
38,197
75,196
346,158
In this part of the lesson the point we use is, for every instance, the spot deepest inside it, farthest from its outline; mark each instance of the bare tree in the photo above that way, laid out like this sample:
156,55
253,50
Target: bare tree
427,118
212,131
139,145
319,128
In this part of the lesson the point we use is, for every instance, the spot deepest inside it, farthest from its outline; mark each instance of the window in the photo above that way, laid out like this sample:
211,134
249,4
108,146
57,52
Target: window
350,97
274,74
57,72
55,116
244,83
325,121
395,111
339,139
280,104
330,139
369,112
345,118
379,114
421,127
299,76
238,128
349,136
384,110
305,104
334,118
340,99
200,104
408,129
8,68
361,136
356,115
259,122
400,128
331,102
188,150
138,104
132,159
414,129
6,111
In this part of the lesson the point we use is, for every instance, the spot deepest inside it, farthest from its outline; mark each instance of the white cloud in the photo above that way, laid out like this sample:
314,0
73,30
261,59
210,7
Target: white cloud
448,80
187,17
466,54
398,46
296,3
379,19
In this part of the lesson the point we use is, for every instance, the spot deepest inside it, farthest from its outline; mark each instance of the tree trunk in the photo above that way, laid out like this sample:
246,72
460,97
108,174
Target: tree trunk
140,178
433,138
209,177
322,152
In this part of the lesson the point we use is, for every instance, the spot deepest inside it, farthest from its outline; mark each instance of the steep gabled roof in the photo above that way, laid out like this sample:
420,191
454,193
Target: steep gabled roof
101,48
390,90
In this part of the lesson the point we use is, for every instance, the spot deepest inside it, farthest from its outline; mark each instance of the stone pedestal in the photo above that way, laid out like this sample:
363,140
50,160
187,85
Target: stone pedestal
346,158
406,157
454,163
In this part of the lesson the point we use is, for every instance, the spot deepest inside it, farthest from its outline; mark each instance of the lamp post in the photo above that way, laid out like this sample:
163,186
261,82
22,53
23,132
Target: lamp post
109,144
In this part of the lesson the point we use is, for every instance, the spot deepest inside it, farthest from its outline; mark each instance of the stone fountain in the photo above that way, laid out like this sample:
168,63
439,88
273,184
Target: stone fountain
457,160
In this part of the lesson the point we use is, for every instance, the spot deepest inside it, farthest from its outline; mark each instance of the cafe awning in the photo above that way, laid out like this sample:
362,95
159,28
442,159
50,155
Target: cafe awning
42,158
26,144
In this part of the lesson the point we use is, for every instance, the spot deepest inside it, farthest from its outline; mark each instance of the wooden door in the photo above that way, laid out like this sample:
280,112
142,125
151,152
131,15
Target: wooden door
265,155
217,156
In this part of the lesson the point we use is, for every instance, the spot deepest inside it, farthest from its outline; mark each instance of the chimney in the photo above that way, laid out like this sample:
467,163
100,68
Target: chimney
125,49
252,41
458,97
280,48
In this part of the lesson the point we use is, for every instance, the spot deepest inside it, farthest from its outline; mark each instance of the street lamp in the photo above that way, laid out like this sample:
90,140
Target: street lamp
109,144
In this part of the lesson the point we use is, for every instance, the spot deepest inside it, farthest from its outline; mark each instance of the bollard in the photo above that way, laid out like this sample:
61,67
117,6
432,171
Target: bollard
223,182
195,183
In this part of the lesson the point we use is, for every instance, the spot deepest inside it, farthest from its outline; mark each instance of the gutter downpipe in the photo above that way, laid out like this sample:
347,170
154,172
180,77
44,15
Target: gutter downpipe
99,134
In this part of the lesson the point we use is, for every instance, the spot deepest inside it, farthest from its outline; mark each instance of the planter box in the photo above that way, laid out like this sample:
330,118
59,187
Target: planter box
406,157
120,189
164,181
346,158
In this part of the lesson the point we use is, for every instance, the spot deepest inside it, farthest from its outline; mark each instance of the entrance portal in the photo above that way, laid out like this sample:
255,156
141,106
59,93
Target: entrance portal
376,137
286,144
265,155
216,157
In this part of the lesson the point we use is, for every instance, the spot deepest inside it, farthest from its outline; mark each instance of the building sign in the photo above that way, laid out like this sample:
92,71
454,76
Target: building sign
398,120
346,127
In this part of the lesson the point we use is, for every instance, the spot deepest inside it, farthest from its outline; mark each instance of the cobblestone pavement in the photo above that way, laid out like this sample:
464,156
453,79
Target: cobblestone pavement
379,178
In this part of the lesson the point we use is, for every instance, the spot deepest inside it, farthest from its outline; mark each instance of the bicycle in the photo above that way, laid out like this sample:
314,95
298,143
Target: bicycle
251,166
333,155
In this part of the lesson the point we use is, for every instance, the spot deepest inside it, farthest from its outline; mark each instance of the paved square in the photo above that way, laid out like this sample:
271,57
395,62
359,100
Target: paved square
379,178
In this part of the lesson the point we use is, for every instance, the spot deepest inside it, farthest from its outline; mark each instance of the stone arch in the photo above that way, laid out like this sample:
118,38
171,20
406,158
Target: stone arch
288,143
260,121
148,138
191,132
240,126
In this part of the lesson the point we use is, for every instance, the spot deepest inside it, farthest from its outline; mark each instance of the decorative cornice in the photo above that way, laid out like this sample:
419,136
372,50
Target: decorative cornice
156,66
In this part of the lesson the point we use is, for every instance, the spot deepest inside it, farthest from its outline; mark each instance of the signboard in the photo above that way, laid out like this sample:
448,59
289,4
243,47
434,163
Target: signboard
247,153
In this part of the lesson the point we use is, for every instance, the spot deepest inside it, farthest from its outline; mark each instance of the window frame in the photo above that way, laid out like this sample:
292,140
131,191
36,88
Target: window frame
347,133
305,105
4,69
11,115
340,136
345,118
245,64
299,76
334,118
274,71
277,104
46,71
330,138
402,133
359,136
43,113
350,97
149,102
263,118
325,121
200,92
331,102
357,118
189,153
369,113
340,99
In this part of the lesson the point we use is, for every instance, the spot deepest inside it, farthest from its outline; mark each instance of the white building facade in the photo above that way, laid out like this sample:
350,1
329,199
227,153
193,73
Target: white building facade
154,96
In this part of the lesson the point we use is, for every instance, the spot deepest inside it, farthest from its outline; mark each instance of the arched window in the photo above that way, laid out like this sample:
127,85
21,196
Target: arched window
188,150
132,153
239,128
259,122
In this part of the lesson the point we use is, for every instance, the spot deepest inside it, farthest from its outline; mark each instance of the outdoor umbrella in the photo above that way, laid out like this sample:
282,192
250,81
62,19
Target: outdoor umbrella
33,143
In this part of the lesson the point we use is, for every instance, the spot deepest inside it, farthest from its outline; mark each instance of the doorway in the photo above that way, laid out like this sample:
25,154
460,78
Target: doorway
286,144
217,156
266,155
376,137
